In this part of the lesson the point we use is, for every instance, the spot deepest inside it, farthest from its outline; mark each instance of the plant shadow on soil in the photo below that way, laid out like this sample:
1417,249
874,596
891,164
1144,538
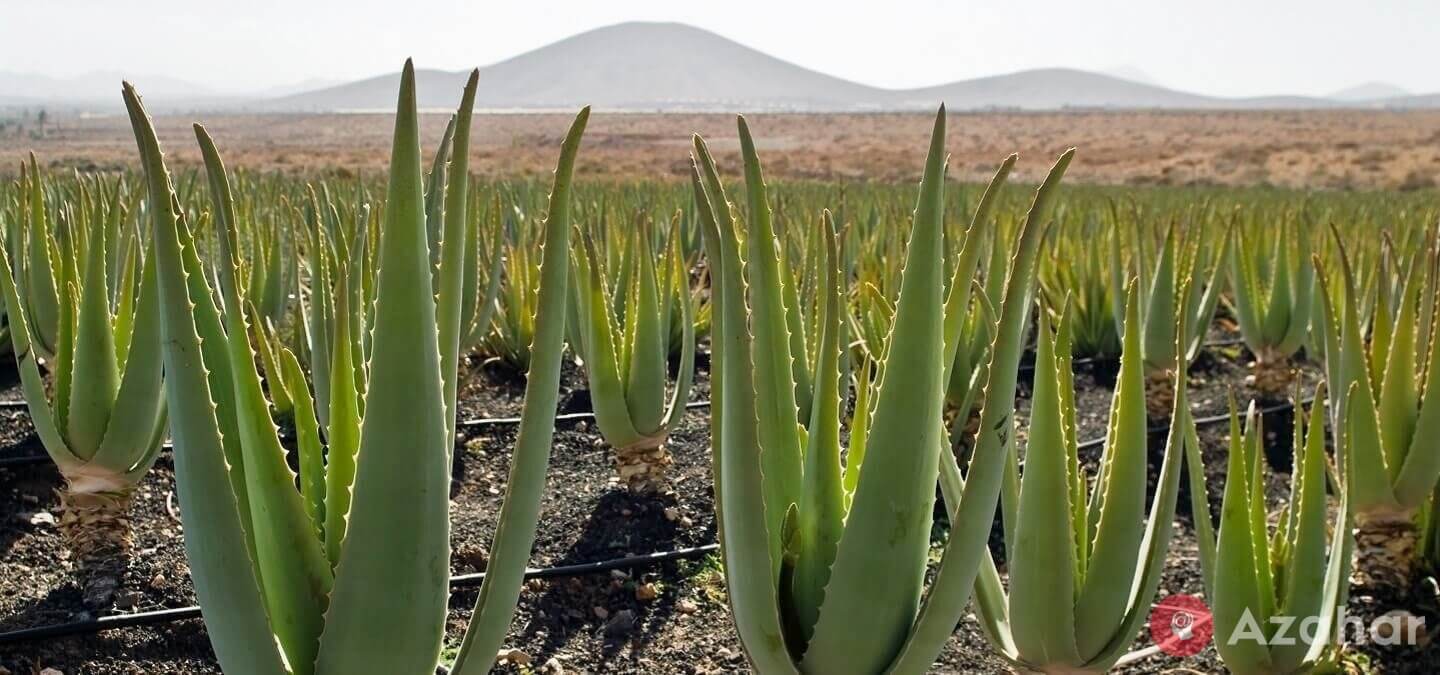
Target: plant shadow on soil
617,519
35,491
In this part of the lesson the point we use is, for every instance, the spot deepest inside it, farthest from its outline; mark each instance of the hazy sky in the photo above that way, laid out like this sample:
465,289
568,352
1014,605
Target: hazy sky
1220,47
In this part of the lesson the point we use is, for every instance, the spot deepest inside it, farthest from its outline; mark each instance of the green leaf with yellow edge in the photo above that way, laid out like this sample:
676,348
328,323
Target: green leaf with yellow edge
309,447
1237,591
41,288
295,574
1043,561
1358,415
1422,460
879,570
750,519
1116,544
972,518
859,428
1399,397
132,439
1305,570
453,270
597,344
645,377
32,382
770,355
1159,526
675,410
219,552
520,513
92,398
388,605
1159,328
822,496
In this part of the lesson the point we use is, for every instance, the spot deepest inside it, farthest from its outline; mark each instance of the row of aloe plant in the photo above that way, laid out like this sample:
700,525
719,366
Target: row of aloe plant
825,551
343,567
826,557
1133,226
1265,288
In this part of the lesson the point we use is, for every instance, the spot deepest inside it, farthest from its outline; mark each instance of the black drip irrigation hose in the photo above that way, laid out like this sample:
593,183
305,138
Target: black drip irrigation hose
473,423
162,616
1224,342
1206,421
567,417
92,626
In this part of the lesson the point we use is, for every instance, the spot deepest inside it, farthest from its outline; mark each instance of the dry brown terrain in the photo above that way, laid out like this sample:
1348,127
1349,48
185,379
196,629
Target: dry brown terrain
1327,149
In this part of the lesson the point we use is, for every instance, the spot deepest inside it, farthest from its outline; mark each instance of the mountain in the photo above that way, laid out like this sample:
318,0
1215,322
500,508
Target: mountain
630,65
434,89
671,66
676,67
1051,88
1370,91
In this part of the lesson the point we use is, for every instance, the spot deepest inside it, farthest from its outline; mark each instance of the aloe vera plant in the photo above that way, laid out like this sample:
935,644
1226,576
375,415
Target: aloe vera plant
977,284
34,244
1260,582
626,357
511,330
341,270
348,573
1172,288
1083,573
1273,302
1387,414
484,268
270,275
101,412
1080,270
825,563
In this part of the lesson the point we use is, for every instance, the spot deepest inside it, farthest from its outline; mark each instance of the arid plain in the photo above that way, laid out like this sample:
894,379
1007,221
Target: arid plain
1345,149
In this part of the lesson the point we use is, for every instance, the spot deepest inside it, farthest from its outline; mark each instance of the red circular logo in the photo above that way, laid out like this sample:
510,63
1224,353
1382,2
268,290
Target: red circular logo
1181,625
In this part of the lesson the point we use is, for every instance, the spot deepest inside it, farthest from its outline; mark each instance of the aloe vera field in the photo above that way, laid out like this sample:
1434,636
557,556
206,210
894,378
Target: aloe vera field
701,400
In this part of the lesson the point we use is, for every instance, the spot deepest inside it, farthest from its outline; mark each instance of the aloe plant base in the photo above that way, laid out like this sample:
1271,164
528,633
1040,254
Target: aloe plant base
1272,378
1159,394
96,529
1386,550
642,466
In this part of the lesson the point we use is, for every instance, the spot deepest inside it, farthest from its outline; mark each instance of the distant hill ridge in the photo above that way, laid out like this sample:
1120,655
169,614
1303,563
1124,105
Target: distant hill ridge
676,67
672,66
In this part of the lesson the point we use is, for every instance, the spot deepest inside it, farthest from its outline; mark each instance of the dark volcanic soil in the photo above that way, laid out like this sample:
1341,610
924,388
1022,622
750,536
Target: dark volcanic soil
667,618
